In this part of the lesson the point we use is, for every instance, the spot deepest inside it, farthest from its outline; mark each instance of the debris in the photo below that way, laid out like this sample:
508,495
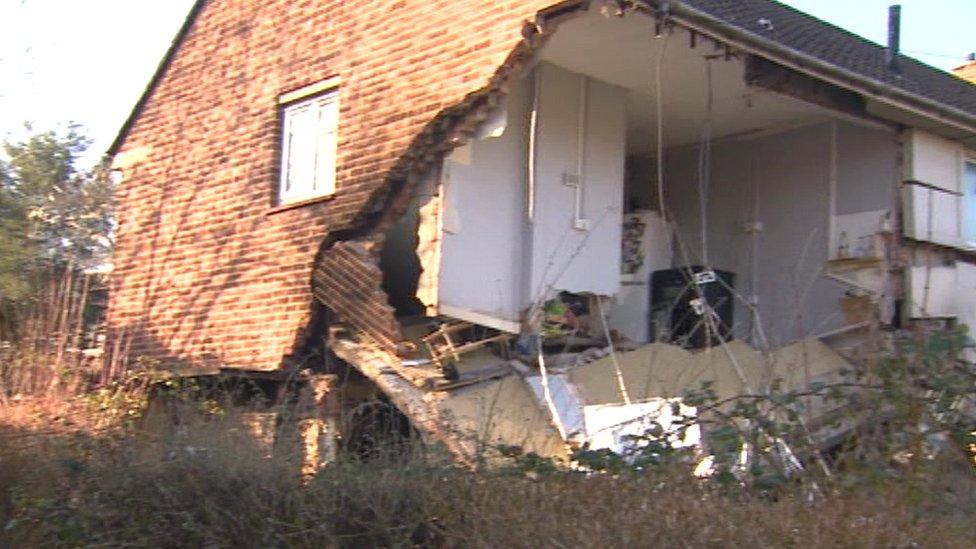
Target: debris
564,402
502,412
454,378
441,345
620,427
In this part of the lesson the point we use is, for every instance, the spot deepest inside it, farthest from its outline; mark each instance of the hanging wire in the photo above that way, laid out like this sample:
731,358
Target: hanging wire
704,161
613,353
660,125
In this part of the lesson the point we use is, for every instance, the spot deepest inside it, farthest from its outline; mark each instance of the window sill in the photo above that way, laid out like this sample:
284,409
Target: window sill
300,203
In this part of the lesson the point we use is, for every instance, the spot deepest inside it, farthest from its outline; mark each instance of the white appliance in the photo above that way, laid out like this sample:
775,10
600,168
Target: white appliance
646,246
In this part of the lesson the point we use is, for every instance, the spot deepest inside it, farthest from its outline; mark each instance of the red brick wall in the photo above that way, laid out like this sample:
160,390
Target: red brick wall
349,280
204,271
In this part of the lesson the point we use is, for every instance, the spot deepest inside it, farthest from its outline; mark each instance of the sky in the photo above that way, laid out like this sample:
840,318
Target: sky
88,61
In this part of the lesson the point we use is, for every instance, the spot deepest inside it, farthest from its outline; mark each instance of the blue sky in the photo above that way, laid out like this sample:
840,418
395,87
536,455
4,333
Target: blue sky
88,60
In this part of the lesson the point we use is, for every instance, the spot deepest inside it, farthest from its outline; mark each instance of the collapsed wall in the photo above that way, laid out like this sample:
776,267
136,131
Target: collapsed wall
209,268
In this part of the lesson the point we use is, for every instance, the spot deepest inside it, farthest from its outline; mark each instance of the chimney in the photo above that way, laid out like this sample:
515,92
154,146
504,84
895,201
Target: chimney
894,37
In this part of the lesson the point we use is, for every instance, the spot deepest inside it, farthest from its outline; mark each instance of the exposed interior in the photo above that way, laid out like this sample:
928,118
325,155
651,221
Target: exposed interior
644,214
763,188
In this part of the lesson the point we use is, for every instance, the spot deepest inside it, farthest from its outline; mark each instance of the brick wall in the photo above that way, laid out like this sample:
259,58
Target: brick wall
205,270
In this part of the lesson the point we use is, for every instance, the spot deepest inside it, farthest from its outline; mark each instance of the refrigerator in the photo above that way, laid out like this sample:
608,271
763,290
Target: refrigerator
646,246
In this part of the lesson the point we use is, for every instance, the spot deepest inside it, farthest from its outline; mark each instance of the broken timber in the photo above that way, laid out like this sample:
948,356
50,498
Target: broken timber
419,407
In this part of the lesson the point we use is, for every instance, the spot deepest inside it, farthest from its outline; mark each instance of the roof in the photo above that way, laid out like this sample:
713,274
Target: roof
156,77
787,28
805,34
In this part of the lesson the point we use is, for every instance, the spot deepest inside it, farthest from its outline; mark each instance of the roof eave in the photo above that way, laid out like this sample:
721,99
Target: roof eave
811,65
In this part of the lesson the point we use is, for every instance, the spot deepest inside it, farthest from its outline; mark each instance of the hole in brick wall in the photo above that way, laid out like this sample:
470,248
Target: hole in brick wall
401,264
370,425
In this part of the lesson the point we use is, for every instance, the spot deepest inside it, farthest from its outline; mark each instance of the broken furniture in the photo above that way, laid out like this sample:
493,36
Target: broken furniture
442,347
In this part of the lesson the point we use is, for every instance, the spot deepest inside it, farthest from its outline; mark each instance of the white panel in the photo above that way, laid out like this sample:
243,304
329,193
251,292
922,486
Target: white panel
567,402
965,300
483,225
563,256
932,291
619,427
932,215
630,308
933,160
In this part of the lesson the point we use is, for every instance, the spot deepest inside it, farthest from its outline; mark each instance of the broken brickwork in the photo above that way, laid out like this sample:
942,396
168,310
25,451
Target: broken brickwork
207,269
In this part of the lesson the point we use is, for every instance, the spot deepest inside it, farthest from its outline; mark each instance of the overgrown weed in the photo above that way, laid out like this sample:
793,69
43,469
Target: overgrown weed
205,482
106,468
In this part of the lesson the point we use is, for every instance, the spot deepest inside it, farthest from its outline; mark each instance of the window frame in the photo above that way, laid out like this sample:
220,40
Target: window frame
321,97
967,195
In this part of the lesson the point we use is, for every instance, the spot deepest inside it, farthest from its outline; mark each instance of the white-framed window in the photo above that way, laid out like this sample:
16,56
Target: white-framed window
308,148
969,201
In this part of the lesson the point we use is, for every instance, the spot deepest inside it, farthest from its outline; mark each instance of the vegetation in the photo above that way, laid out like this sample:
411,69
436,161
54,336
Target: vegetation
55,236
109,469
911,402
83,481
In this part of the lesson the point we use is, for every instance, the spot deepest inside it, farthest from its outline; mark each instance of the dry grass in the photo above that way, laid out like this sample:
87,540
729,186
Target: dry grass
67,480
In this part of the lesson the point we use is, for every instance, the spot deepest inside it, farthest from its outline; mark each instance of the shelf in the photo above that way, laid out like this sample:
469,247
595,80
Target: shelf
855,263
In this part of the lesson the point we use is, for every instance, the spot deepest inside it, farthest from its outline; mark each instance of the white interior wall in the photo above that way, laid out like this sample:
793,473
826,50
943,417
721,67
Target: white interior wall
563,256
782,181
496,262
484,220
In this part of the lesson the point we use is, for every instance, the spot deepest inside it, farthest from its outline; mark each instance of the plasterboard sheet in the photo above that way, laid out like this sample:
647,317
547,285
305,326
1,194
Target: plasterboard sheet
613,426
933,160
933,291
568,404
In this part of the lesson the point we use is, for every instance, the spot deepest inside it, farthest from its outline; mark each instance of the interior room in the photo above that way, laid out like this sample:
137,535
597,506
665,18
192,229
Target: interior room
766,190
626,162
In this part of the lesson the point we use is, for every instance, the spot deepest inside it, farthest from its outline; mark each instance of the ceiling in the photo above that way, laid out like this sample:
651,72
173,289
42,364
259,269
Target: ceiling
625,51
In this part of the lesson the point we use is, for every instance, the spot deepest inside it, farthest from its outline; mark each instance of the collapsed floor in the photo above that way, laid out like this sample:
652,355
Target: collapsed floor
482,391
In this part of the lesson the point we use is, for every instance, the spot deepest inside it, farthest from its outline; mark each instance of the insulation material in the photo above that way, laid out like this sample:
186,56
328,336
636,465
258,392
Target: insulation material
502,412
613,426
429,252
660,370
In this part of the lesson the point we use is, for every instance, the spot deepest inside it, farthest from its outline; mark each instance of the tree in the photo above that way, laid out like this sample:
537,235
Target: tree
55,219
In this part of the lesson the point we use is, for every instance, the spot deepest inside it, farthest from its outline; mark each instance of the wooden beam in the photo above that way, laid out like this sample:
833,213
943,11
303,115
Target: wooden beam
765,74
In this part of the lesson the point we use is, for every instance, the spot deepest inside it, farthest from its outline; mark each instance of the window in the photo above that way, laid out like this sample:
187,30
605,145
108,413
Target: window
308,148
969,203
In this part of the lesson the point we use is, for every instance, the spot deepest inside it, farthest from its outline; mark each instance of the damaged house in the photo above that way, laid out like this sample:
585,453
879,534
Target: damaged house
535,223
